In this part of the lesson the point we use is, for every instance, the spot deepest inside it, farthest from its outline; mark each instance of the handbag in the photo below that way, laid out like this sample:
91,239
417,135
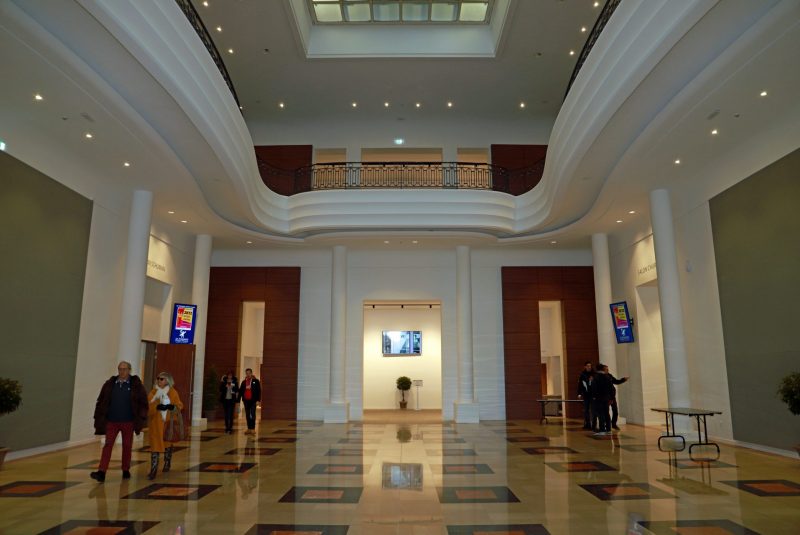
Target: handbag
174,430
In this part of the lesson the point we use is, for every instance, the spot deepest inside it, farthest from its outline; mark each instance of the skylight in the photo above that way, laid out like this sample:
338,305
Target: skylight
400,11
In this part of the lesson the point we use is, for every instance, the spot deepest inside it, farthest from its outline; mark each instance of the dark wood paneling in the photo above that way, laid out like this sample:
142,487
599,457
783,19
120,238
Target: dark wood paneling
281,163
574,287
525,164
279,289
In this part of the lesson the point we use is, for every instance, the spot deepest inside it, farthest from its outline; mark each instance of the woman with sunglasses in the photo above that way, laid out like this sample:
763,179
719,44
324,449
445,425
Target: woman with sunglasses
163,399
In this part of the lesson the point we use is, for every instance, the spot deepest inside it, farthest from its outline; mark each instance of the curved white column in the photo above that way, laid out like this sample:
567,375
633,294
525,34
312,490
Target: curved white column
669,295
466,410
202,272
606,342
337,409
130,335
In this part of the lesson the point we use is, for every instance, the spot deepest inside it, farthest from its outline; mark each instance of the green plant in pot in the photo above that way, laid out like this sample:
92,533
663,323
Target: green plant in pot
403,385
789,392
10,400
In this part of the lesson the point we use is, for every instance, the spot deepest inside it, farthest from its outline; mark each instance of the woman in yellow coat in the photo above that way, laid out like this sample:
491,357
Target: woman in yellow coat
163,398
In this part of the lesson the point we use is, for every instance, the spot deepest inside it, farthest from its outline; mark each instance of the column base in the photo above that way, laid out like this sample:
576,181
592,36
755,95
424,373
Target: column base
466,412
200,423
337,412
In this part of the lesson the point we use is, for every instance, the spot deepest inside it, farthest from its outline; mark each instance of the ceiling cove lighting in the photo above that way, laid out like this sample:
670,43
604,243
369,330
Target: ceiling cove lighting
400,11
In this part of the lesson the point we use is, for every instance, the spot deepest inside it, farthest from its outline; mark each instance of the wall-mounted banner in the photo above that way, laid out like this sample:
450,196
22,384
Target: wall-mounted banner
622,322
183,322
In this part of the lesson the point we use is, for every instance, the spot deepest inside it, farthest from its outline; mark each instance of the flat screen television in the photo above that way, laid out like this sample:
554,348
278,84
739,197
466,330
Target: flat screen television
402,343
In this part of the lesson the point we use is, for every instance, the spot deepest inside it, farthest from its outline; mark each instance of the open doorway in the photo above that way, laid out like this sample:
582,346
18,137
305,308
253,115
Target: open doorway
403,339
551,343
652,387
251,341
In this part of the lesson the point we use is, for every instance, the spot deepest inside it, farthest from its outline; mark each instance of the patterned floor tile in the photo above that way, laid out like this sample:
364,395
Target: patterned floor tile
33,489
692,486
476,495
322,495
296,529
238,468
503,529
163,491
516,440
543,450
278,440
457,469
99,527
691,463
452,452
92,465
695,527
626,491
338,469
766,487
350,452
253,451
581,466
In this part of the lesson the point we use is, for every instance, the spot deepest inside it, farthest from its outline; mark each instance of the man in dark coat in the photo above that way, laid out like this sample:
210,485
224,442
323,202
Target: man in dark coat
250,394
614,408
121,408
584,382
602,392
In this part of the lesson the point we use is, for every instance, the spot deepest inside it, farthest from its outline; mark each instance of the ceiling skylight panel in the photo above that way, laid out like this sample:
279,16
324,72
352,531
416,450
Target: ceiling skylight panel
357,12
415,11
473,11
386,11
444,12
401,11
328,12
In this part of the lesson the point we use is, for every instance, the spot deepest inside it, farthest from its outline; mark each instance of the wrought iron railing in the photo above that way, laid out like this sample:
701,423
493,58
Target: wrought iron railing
602,20
194,19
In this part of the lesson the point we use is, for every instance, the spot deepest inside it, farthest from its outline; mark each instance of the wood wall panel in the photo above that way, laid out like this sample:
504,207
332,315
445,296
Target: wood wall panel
279,289
574,287
515,158
281,163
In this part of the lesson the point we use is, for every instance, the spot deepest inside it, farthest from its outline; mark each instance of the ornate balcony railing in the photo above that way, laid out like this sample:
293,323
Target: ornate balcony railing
602,20
194,19
400,175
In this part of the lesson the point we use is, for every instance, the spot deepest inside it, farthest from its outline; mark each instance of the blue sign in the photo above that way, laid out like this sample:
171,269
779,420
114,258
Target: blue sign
183,322
623,325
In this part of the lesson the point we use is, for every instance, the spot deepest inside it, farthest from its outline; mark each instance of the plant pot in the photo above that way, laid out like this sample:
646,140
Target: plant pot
403,404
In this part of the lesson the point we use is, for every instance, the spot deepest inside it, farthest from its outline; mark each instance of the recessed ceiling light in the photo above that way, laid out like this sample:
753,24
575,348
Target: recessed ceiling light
597,4
399,141
714,132
126,164
248,242
230,51
677,162
763,93
583,29
281,105
631,211
553,242
385,104
414,241
219,28
449,104
521,104
418,105
205,4
184,221
385,241
37,96
170,211
571,52
354,104
2,146
88,135
619,220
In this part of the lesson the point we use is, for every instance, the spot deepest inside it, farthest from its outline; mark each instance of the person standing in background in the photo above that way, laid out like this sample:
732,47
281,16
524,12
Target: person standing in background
228,395
601,389
250,395
614,408
121,408
584,382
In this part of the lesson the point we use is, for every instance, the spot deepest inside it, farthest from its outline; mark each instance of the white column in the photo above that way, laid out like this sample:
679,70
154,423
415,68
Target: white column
130,336
337,410
669,295
606,341
466,410
202,271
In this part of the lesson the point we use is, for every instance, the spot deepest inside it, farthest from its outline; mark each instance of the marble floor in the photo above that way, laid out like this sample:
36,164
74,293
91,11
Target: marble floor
492,478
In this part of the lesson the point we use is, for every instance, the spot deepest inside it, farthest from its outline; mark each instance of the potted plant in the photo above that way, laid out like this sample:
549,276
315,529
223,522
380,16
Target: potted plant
403,385
10,399
789,392
211,393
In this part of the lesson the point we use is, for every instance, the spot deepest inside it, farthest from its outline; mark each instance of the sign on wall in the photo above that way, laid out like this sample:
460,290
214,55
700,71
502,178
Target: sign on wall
183,322
622,322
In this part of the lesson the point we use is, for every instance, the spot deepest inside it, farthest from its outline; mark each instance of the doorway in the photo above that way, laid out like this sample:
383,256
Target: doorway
551,343
251,342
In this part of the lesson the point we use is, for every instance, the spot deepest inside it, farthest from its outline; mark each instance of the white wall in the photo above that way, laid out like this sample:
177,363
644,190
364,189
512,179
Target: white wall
381,372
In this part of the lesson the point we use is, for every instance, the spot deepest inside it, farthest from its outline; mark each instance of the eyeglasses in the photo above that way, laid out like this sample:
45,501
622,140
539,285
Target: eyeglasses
162,378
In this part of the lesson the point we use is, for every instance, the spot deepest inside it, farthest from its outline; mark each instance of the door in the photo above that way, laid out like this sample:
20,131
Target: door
178,360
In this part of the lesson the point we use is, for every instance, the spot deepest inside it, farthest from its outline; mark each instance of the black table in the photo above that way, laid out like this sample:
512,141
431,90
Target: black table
544,402
702,432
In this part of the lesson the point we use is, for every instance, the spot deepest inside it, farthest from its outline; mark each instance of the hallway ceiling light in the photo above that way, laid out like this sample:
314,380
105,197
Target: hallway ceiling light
763,93
205,4
449,104
281,105
230,51
126,164
88,135
354,104
248,242
37,96
619,220
385,104
521,104
418,105
583,29
399,141
597,4
632,211
571,52
414,242
170,211
219,28
714,132
553,242
385,241
677,162
184,221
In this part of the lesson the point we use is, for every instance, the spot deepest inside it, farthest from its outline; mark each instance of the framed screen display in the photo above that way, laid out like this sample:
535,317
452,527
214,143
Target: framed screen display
402,343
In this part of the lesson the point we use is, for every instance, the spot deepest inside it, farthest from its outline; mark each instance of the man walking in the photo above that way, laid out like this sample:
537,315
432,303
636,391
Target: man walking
250,394
121,408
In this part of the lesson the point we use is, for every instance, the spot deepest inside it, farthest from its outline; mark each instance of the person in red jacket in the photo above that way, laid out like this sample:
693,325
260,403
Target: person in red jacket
250,395
121,408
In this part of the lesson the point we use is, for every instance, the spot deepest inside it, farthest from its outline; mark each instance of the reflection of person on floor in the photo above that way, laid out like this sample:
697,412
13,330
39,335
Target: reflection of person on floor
584,382
614,409
602,392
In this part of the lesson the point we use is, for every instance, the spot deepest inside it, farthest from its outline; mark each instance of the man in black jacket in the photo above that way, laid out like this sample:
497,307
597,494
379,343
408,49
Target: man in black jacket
121,408
614,408
584,383
250,394
602,392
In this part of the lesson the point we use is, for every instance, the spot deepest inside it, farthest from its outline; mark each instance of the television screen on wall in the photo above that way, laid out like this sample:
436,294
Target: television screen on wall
402,343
